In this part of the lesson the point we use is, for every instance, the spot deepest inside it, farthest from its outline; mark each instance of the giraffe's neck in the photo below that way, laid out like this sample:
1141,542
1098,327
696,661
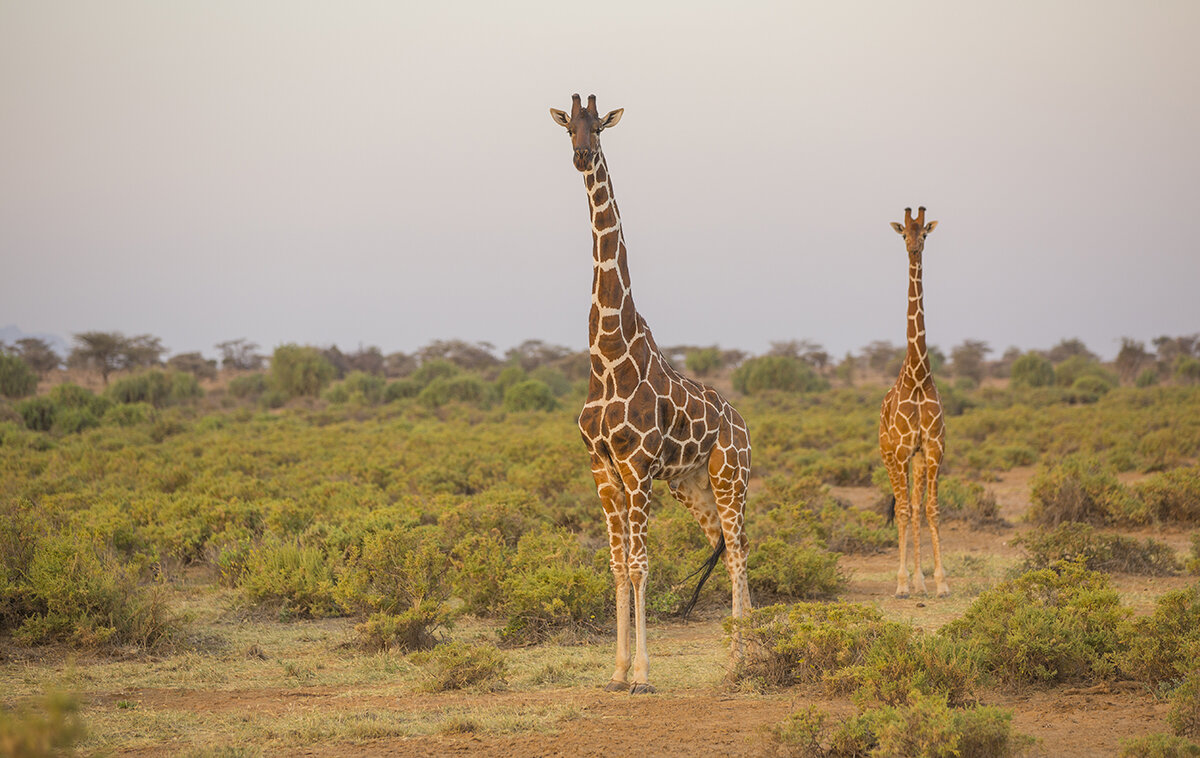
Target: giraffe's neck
612,322
916,358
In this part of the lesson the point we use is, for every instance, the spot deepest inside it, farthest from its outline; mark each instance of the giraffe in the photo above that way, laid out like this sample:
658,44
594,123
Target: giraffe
910,422
643,421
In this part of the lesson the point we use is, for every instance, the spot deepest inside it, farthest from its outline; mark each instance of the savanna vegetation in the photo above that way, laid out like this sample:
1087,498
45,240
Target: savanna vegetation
428,522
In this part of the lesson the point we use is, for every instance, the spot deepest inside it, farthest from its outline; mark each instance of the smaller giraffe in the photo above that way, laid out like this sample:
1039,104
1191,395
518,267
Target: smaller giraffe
911,425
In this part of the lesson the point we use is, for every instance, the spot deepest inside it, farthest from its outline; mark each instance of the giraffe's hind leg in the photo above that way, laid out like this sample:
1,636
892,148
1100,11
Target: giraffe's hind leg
899,481
729,473
695,494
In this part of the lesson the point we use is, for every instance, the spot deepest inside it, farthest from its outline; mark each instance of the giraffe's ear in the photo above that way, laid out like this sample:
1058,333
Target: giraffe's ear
930,227
560,117
611,119
898,227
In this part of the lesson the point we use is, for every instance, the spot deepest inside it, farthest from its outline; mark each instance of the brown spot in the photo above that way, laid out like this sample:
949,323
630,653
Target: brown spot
609,290
626,374
642,407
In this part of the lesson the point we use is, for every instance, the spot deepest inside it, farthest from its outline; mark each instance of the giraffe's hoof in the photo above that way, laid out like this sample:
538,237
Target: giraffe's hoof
641,688
944,592
901,594
615,686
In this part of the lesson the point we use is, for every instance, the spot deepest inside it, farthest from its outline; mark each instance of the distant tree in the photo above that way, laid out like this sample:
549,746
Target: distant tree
1187,369
38,355
337,359
98,351
399,364
471,356
1003,367
776,372
240,354
967,359
1170,348
367,360
142,351
808,351
1068,349
879,354
937,359
533,353
1131,358
16,378
195,364
846,369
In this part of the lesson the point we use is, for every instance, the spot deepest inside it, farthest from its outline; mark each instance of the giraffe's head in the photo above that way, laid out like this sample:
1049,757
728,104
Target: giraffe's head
914,230
584,126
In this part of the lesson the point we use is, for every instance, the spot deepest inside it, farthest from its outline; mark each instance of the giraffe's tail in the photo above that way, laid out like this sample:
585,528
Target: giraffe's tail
707,569
890,512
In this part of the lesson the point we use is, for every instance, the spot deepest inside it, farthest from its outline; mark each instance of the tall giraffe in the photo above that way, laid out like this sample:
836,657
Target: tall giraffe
644,421
910,422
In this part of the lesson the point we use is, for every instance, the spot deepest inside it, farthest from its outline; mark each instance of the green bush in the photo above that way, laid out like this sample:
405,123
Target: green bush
69,395
959,499
1171,496
904,662
776,372
16,378
1080,488
80,593
465,388
1114,553
553,378
1165,645
158,388
296,578
1186,370
1193,563
1049,625
924,728
456,666
359,388
1184,717
1032,370
400,389
128,414
38,413
1070,371
529,395
1147,378
553,587
1159,746
805,642
249,386
432,370
778,569
703,361
51,727
403,573
300,371
1088,389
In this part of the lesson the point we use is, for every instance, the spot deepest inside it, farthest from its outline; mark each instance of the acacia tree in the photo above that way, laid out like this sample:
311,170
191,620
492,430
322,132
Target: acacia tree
97,351
142,351
239,354
38,355
967,359
1132,356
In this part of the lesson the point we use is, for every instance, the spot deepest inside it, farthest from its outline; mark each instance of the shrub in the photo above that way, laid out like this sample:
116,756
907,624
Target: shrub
1070,371
802,643
967,501
363,388
1172,496
158,388
432,370
299,579
1088,389
1159,746
703,361
52,727
529,395
1147,378
1165,645
926,727
1073,541
38,413
1193,563
1184,717
1186,369
1080,488
405,574
553,587
1032,370
300,371
1049,625
466,388
249,386
553,378
84,595
400,389
69,395
16,378
780,569
776,372
455,666
128,414
904,662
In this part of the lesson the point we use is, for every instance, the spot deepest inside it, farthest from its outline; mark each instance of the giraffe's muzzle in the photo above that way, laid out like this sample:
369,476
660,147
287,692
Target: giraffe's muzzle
584,158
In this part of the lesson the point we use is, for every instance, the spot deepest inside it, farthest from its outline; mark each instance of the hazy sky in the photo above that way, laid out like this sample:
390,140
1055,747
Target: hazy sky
387,173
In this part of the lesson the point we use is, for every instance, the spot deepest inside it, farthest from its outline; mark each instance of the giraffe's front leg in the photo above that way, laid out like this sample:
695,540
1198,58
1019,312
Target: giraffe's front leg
899,482
612,497
637,492
931,514
918,496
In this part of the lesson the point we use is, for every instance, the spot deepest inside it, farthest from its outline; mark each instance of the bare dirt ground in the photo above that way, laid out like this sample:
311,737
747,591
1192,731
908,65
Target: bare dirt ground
307,696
